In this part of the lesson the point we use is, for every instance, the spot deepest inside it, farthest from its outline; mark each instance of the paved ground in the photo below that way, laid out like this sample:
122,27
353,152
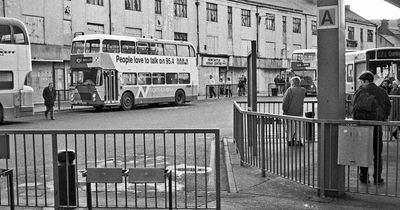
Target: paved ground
249,190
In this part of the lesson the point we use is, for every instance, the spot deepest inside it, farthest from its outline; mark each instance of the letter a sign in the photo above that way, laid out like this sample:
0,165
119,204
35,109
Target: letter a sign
327,17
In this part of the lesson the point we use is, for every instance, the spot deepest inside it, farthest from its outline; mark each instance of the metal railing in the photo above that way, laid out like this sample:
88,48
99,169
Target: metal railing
289,146
193,155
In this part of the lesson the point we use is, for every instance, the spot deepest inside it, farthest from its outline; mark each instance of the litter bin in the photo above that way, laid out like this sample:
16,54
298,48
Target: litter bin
309,126
67,189
274,91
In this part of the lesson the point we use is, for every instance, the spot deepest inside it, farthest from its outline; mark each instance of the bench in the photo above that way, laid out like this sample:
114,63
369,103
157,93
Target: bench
5,154
135,175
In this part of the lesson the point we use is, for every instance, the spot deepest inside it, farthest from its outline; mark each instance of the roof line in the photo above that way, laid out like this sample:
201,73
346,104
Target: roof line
259,4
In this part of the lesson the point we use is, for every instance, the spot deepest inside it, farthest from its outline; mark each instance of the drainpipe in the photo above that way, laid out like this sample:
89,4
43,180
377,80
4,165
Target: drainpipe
4,8
198,31
109,15
305,28
257,23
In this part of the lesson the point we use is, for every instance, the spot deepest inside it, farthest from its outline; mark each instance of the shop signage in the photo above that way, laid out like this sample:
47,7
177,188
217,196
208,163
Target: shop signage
214,61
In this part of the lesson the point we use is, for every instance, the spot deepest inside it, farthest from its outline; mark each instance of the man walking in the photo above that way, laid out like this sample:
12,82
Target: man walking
371,102
211,87
49,95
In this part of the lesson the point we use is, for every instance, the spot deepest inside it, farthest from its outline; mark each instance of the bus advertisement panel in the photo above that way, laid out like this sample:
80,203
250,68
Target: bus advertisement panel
124,71
16,99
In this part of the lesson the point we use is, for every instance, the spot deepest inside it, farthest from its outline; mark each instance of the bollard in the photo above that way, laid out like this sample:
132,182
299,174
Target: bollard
67,183
309,126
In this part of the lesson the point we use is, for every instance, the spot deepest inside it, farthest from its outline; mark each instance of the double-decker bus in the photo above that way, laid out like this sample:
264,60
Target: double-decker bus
384,63
110,70
16,99
304,64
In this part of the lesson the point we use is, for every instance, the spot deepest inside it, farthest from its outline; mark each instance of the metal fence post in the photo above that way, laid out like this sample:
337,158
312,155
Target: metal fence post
56,186
217,170
262,146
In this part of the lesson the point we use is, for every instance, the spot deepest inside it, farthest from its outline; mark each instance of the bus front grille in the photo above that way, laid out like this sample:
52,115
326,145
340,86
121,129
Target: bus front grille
86,96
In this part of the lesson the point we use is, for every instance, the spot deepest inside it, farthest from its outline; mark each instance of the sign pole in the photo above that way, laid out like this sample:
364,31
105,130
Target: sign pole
331,93
252,77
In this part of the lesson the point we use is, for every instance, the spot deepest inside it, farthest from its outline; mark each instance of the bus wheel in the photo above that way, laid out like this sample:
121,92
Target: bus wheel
1,114
179,97
127,101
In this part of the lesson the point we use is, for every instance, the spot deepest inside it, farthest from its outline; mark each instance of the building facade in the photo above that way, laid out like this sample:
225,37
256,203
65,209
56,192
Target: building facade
222,31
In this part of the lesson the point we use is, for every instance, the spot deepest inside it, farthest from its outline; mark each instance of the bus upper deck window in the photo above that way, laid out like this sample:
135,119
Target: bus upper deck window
128,47
156,49
19,36
111,46
143,48
183,50
170,49
5,34
191,52
77,47
92,46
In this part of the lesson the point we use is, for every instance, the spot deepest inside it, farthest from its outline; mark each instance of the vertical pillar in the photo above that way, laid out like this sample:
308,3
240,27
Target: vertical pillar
252,77
331,93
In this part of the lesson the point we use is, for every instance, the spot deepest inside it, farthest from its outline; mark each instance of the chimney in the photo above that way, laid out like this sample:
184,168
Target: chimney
347,7
385,23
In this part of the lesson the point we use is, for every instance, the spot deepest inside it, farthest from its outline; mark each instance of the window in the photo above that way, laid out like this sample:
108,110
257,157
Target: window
95,2
270,22
350,33
229,15
19,37
184,78
95,28
314,27
349,76
135,32
134,5
143,48
296,25
172,78
156,49
5,34
212,12
284,24
92,46
158,34
246,18
129,78
144,79
128,47
191,52
157,6
78,47
370,36
111,46
361,34
158,78
180,8
170,49
180,36
183,50
6,80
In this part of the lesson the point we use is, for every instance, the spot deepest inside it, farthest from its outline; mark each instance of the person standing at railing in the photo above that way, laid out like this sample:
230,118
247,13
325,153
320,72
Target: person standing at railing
292,104
371,102
211,87
49,96
228,87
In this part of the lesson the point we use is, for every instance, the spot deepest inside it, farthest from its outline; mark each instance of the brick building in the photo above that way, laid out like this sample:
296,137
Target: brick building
221,29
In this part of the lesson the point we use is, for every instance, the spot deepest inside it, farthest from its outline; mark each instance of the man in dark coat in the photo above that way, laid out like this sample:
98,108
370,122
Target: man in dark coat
49,95
381,113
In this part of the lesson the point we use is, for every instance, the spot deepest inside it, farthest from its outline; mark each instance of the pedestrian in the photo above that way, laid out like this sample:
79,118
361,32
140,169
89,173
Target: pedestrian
386,85
395,92
228,86
242,84
371,102
211,87
292,104
49,96
221,86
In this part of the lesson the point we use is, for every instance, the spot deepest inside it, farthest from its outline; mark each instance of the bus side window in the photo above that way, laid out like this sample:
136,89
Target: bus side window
92,46
129,78
183,50
184,78
191,52
156,49
170,49
19,36
5,34
6,80
172,78
143,48
158,78
111,46
144,78
128,47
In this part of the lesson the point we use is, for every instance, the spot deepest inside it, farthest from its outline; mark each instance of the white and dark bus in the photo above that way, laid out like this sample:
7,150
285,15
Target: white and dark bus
110,70
16,99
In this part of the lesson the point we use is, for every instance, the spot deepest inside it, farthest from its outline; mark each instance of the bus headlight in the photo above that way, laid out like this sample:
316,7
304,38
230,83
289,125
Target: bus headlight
312,86
94,96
